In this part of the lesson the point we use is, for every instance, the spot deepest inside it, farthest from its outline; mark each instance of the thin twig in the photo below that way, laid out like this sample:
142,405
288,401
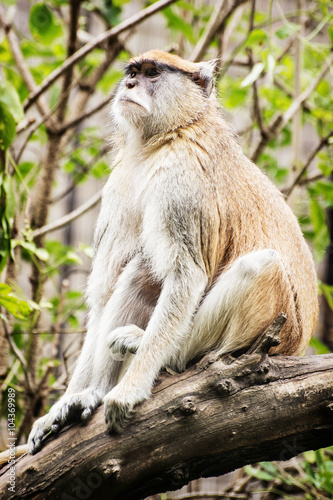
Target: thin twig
282,119
19,355
256,105
83,116
297,118
41,331
216,23
198,495
281,85
23,125
45,117
63,221
296,181
20,62
309,180
85,169
86,49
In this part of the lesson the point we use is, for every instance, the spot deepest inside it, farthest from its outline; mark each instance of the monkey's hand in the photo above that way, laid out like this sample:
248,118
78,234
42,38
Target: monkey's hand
70,407
124,339
118,405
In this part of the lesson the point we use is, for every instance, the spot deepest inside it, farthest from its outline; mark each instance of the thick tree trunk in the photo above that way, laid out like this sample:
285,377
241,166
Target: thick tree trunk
217,416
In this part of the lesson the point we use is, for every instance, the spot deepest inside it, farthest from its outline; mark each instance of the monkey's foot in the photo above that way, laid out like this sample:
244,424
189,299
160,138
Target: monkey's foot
116,415
78,406
124,339
118,405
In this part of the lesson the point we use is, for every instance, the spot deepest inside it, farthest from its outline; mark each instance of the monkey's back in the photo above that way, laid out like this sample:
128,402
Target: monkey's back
250,214
255,216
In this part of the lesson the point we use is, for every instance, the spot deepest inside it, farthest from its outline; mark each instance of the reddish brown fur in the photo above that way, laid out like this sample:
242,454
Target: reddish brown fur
158,56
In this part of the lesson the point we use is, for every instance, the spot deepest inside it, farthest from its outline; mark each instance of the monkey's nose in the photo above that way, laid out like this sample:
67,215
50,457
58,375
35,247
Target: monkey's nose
130,85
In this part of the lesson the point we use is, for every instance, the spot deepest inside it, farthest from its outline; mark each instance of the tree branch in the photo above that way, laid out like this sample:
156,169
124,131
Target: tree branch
215,417
74,9
219,17
75,121
63,221
83,51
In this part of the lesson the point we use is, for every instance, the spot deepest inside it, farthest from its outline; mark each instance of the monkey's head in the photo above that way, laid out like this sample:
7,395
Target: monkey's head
161,92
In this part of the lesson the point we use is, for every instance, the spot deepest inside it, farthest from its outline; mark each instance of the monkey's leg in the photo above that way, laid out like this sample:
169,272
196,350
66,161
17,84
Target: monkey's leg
242,303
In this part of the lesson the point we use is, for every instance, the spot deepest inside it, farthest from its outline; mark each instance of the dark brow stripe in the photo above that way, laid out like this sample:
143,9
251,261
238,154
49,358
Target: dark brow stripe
160,66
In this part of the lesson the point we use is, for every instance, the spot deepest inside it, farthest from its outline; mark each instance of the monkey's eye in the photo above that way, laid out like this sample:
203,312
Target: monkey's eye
152,73
132,74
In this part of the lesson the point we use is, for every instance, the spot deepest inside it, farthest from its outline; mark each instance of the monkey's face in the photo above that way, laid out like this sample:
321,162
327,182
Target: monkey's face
157,96
135,96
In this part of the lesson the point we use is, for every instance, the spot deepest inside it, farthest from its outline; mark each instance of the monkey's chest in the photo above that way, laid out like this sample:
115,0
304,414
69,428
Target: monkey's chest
122,212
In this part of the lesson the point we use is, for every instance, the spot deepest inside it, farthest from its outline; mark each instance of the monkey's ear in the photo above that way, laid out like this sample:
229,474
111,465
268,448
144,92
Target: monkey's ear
204,76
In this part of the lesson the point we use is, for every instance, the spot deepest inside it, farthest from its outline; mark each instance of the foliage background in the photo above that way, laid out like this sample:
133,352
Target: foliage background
275,82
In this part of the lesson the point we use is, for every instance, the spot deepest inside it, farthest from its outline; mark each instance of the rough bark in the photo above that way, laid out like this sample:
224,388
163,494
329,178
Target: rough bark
218,415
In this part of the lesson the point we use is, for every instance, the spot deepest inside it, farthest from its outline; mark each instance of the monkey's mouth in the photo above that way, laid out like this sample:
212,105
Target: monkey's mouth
126,99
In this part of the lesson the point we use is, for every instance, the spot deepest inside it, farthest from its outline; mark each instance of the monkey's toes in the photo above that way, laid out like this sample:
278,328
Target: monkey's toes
118,350
116,415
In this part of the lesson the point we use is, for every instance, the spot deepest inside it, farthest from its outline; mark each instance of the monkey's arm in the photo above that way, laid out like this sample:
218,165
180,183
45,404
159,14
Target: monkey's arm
167,329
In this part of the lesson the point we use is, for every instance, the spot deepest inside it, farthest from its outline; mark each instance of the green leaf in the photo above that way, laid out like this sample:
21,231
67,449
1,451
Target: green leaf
73,257
256,37
269,467
41,253
110,78
325,163
330,33
310,456
5,289
258,473
15,306
327,291
320,348
323,88
287,30
10,98
318,219
43,25
100,169
177,23
7,127
253,75
324,187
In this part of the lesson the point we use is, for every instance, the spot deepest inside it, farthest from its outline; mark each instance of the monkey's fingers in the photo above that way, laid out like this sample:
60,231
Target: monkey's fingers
70,408
39,431
88,411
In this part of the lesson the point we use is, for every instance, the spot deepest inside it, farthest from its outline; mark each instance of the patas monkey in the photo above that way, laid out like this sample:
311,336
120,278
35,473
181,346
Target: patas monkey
195,249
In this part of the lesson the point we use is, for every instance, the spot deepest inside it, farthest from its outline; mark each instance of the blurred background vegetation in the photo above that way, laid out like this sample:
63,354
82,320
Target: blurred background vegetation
60,61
